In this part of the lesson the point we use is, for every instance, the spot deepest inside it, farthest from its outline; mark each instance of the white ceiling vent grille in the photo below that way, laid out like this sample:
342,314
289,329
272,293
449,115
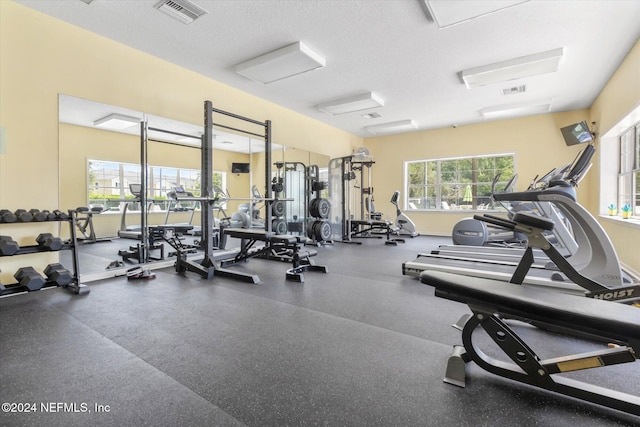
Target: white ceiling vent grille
514,89
182,10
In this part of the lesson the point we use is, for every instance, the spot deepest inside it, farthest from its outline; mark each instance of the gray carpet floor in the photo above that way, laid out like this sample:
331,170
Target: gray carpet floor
362,345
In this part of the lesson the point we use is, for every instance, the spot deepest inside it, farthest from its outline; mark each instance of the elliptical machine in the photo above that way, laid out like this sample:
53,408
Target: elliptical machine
404,225
472,232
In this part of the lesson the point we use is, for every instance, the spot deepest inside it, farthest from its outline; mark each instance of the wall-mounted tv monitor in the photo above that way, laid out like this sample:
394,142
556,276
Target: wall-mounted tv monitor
240,167
577,133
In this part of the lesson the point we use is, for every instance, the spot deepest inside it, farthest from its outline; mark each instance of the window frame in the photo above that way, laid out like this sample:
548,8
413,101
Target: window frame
438,185
628,173
183,178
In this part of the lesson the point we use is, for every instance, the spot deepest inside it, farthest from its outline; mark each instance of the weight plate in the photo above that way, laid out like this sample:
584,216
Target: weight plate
279,226
313,208
278,208
310,231
324,208
325,231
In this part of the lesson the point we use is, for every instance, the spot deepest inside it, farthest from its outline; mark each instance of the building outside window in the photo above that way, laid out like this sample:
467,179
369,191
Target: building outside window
109,184
456,183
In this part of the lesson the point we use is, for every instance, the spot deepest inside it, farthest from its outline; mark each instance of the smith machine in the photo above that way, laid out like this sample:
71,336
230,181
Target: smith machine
274,246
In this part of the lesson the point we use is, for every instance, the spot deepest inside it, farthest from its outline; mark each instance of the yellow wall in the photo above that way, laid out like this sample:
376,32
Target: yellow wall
538,146
42,57
620,96
536,142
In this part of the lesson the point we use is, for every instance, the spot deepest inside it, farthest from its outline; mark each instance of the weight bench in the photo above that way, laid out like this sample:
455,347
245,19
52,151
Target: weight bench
280,247
492,301
364,228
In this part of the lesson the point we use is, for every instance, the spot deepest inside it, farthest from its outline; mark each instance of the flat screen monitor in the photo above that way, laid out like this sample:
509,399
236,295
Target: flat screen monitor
577,133
240,167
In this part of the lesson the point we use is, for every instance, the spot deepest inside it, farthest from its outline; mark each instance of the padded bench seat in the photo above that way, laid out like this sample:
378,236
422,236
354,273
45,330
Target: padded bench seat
262,235
494,302
279,247
575,313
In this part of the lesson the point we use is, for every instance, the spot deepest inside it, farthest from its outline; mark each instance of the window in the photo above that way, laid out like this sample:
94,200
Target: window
458,183
628,196
108,184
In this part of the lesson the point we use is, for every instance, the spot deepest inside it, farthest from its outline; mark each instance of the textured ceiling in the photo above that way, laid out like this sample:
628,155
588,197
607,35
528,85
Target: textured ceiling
389,47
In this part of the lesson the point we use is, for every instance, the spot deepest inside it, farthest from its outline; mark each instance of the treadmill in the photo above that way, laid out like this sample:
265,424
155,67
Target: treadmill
177,195
130,231
135,231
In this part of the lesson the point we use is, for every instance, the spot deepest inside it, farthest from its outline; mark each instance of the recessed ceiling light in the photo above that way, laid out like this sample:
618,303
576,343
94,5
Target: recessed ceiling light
373,115
281,63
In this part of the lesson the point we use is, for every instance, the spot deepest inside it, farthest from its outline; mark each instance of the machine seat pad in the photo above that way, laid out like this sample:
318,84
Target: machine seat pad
605,319
284,239
248,233
261,235
371,222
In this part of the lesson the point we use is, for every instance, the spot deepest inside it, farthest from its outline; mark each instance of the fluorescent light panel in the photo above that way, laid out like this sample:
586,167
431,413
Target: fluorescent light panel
513,110
451,12
116,121
281,63
361,102
526,66
393,127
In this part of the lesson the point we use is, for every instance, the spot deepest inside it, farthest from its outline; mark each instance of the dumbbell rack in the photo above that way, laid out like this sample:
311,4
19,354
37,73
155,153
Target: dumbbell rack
71,244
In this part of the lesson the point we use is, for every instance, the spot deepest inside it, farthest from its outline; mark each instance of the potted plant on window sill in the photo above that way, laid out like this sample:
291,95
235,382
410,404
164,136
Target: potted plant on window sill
612,209
626,212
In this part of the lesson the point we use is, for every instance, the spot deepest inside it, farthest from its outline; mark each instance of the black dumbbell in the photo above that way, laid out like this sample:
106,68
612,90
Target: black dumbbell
7,216
57,274
48,241
50,216
29,278
37,215
8,246
23,215
60,215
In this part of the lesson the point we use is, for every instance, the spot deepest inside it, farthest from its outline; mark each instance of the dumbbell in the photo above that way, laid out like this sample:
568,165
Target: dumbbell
50,216
8,246
29,278
23,215
48,241
37,215
57,274
60,215
7,216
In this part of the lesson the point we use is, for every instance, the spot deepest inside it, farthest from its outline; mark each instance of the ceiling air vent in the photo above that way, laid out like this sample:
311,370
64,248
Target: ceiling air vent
515,89
182,10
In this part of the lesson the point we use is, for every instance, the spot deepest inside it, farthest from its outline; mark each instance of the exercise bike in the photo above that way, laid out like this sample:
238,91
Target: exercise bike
404,225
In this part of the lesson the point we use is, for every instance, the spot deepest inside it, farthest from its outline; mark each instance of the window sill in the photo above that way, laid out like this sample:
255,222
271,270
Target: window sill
630,222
